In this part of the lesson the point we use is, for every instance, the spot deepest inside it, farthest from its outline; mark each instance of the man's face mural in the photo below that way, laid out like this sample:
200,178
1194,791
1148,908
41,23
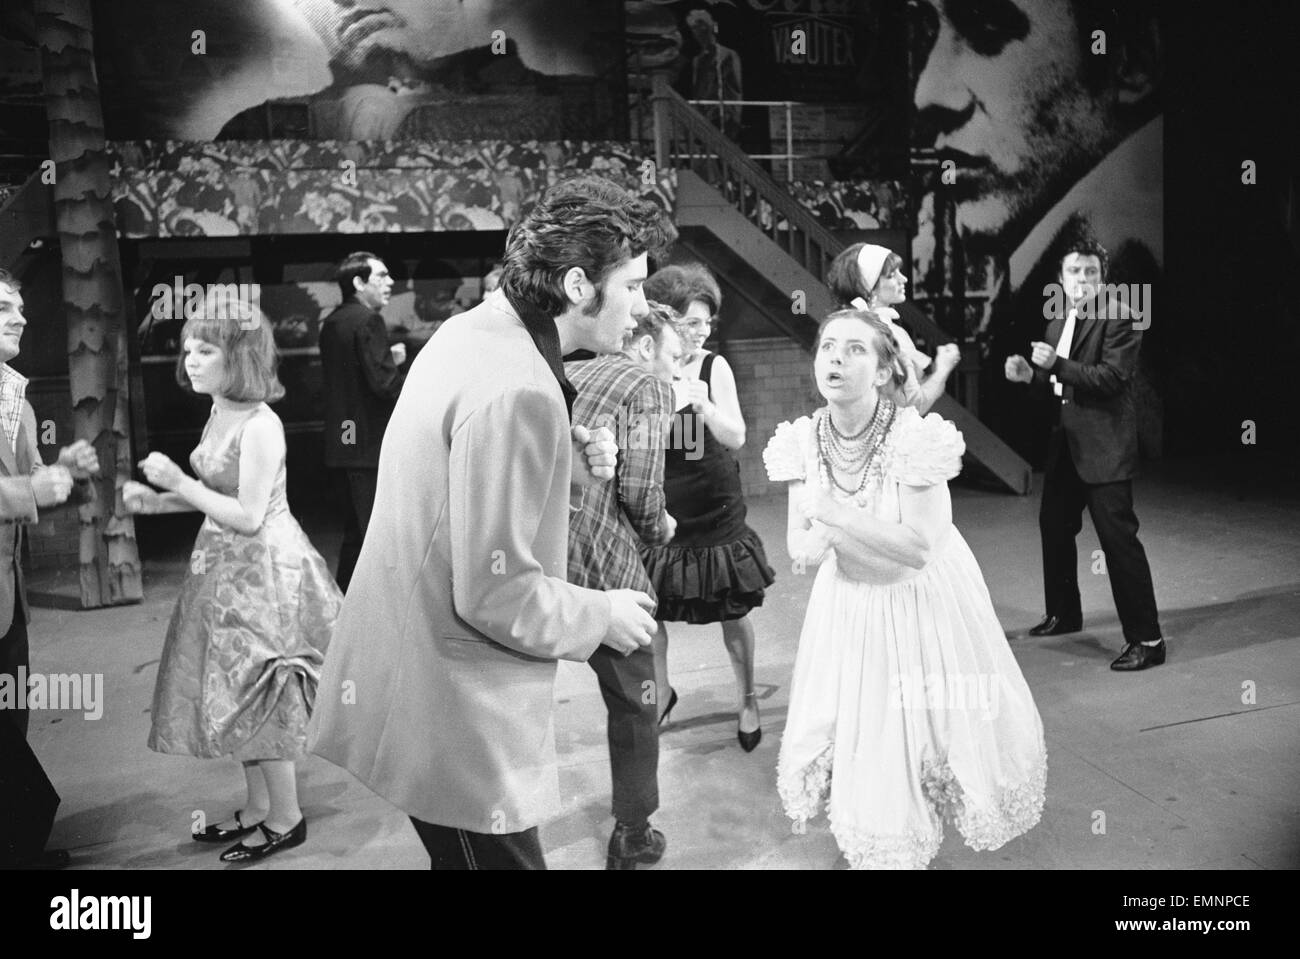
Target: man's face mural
421,30
1002,83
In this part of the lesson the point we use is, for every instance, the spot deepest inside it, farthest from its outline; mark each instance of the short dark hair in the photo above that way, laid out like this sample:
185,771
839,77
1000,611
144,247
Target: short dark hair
350,267
845,278
1077,237
587,222
681,284
9,280
250,355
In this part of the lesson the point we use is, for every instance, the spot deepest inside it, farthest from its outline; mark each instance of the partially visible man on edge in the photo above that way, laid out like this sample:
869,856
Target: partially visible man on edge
27,798
437,691
632,390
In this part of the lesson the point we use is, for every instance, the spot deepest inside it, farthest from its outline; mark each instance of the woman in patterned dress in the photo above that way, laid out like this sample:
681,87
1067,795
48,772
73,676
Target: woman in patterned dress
906,706
245,644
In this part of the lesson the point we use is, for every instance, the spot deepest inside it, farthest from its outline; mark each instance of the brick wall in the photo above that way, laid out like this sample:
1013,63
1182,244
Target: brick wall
774,382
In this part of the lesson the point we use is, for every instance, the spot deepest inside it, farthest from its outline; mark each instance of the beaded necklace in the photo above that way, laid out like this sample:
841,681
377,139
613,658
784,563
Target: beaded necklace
849,454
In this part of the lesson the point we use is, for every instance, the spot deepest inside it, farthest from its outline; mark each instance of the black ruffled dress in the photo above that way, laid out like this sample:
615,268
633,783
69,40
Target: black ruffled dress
715,568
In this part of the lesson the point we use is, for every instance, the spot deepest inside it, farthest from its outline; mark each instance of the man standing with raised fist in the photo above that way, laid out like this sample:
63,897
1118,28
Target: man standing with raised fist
1085,366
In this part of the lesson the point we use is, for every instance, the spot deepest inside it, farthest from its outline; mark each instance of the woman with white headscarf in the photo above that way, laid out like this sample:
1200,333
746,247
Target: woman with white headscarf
870,277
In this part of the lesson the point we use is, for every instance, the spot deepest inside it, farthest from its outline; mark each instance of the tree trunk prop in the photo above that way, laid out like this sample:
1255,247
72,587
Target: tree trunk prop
92,296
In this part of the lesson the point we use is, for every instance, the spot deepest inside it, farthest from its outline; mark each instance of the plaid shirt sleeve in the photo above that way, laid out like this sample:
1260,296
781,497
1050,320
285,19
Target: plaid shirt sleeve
641,462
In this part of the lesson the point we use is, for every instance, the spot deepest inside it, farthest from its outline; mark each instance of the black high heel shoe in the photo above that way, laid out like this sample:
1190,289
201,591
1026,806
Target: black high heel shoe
672,701
217,834
749,741
275,841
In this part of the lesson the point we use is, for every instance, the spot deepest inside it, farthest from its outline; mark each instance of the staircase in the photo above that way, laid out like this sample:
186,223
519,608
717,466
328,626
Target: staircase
723,191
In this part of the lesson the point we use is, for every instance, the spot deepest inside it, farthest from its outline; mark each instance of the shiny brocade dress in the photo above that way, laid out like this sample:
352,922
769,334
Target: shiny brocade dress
245,644
715,568
907,707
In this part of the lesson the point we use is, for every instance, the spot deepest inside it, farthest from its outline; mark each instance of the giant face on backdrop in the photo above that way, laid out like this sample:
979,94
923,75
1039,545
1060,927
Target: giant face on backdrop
1022,95
423,31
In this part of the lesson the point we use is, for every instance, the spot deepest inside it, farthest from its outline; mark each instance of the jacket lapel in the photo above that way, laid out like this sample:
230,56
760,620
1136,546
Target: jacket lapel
7,459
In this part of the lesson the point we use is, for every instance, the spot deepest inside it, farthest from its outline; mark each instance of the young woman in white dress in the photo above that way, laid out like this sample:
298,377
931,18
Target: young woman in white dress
906,705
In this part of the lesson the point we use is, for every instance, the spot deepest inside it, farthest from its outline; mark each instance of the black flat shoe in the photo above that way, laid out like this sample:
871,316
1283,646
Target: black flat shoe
275,841
1136,656
631,845
217,834
672,701
1055,626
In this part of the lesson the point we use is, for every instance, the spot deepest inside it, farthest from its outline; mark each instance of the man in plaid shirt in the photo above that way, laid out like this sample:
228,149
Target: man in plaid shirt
630,393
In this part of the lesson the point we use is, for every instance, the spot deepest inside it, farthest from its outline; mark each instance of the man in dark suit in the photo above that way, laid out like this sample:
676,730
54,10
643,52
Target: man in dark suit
1086,365
27,799
362,382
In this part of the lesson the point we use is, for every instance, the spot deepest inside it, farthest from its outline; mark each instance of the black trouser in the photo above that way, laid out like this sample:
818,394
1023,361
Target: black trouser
1059,521
14,653
451,848
632,725
361,485
28,801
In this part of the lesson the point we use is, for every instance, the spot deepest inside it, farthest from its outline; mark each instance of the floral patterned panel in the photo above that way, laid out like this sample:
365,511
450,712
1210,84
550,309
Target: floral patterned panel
233,188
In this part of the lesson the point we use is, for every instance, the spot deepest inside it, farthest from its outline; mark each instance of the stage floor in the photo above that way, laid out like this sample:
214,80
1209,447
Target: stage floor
1171,768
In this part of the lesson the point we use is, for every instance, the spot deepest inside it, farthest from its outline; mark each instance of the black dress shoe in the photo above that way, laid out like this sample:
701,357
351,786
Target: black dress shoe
217,834
1055,626
629,845
672,701
1136,656
275,841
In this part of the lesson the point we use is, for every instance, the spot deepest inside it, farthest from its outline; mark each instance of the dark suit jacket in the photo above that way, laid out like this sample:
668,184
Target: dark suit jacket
1098,413
362,384
18,506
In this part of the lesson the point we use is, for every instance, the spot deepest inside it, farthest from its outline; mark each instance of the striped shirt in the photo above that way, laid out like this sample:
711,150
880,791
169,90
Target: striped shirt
618,515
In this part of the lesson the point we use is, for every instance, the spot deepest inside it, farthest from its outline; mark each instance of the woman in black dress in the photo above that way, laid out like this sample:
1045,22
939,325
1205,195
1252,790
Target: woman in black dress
714,570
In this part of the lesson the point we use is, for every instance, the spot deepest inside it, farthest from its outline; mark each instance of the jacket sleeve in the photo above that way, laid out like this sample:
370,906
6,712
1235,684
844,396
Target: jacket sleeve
1111,373
381,373
507,459
17,501
641,463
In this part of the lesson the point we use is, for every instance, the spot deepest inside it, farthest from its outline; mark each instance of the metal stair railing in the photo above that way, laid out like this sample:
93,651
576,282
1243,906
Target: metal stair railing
686,139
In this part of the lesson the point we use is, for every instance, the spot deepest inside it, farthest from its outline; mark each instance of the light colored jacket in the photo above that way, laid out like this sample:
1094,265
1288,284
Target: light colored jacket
438,684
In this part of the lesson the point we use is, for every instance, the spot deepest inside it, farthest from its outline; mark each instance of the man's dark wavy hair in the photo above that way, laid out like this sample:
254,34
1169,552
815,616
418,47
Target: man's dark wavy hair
587,222
1076,236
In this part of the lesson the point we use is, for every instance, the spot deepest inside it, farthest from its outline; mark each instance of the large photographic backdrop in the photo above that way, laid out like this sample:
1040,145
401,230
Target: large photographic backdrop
372,70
